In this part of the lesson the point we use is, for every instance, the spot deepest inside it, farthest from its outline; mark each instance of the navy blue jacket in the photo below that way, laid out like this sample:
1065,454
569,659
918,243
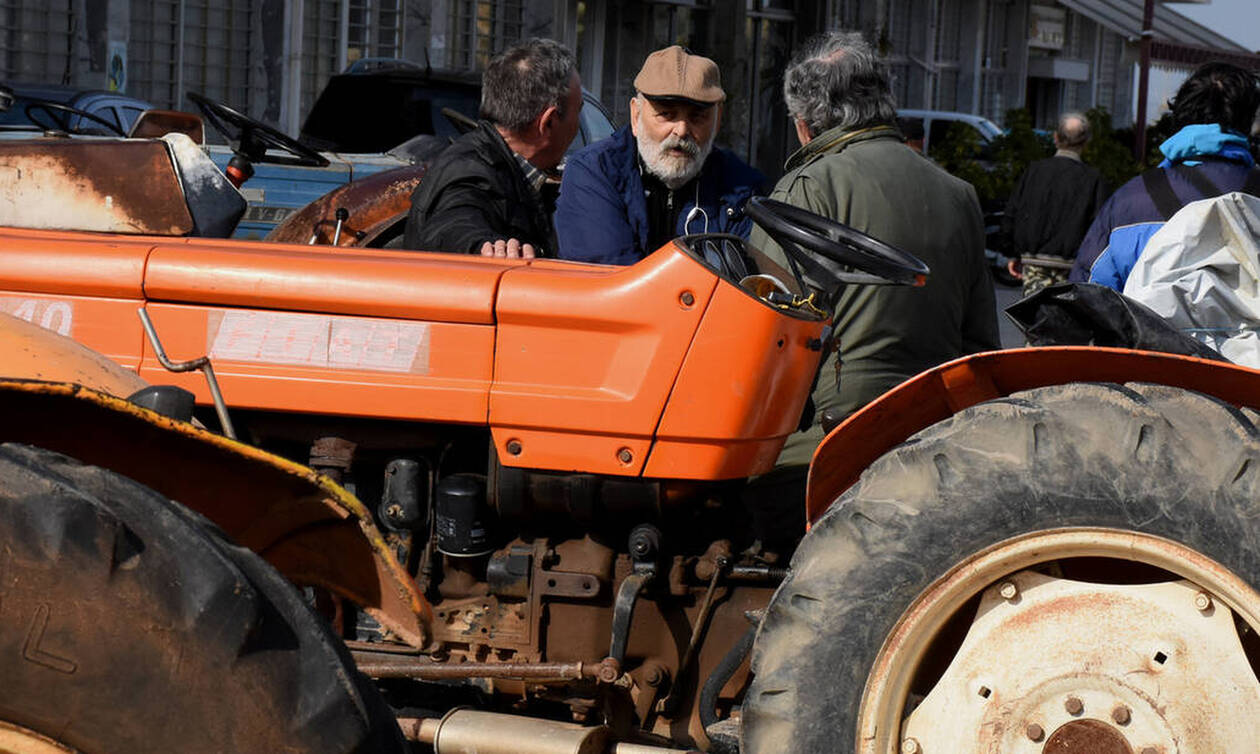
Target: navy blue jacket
1129,218
601,215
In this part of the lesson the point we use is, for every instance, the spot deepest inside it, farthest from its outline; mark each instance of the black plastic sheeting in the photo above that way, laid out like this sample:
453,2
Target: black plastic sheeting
1086,314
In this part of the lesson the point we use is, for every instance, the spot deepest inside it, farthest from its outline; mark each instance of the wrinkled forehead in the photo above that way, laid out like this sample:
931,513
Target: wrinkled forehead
680,106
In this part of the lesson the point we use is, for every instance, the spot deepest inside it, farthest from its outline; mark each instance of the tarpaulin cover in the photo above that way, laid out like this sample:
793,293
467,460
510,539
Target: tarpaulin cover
1201,273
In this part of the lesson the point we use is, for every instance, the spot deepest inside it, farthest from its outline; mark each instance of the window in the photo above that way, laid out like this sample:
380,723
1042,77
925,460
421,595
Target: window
844,14
36,39
948,54
321,47
337,33
906,52
769,38
993,92
202,46
481,29
228,50
153,54
635,29
219,62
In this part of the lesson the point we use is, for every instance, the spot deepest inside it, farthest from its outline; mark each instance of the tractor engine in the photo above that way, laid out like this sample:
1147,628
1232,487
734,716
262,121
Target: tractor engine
585,591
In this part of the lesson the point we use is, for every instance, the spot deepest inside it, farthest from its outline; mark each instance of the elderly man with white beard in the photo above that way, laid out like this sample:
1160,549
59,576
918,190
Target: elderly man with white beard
660,177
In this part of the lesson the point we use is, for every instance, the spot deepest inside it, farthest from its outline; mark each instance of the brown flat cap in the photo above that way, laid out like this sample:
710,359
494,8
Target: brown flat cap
674,73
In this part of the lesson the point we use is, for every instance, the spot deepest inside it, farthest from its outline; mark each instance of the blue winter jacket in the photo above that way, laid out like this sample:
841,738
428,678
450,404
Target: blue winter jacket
601,215
1129,218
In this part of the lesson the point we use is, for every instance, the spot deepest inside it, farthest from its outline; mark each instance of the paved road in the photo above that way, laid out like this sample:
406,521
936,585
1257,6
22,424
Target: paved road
1006,295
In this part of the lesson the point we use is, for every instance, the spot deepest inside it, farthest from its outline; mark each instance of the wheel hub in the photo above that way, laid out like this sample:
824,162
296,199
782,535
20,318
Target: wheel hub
1088,737
1052,666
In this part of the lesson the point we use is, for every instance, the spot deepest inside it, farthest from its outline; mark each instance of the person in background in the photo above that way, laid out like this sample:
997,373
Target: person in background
489,192
912,130
1052,205
660,177
1208,156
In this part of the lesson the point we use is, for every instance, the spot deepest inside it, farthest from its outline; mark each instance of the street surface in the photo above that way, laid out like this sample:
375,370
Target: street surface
1009,333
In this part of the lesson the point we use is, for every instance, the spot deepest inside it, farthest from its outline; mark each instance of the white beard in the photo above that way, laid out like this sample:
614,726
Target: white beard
673,169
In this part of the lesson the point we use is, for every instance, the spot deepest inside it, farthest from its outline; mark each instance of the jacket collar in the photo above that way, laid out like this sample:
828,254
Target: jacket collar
837,140
1205,140
493,142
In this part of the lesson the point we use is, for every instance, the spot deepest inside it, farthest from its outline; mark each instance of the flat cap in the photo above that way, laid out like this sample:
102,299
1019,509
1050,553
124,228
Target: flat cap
674,73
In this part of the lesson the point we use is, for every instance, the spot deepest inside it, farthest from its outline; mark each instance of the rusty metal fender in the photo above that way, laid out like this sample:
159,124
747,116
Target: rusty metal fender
373,205
312,530
939,393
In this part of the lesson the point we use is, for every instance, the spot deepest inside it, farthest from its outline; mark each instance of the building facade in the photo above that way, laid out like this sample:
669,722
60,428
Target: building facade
270,58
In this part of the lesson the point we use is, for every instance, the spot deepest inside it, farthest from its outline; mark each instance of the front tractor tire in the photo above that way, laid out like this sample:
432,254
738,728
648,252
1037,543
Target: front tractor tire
1069,569
129,624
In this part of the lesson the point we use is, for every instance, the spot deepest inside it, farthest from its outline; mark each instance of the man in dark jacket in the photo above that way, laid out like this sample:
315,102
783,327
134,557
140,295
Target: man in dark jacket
1051,208
489,192
1207,157
660,177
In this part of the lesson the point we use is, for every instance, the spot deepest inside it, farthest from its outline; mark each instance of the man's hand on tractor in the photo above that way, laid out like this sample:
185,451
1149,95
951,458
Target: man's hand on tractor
510,248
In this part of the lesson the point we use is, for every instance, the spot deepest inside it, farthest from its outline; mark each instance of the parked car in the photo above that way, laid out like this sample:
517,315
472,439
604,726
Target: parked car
936,124
29,107
378,115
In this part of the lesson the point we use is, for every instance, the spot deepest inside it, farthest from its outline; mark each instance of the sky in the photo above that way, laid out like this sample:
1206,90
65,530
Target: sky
1238,20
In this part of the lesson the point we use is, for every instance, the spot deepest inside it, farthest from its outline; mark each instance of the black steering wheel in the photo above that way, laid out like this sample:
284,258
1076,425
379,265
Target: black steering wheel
840,253
60,115
251,139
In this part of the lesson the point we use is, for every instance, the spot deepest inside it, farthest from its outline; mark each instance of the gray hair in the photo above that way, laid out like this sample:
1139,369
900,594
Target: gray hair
524,80
1073,130
835,79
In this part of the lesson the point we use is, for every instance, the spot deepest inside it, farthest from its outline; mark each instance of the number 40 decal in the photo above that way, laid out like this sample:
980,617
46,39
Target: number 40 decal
57,316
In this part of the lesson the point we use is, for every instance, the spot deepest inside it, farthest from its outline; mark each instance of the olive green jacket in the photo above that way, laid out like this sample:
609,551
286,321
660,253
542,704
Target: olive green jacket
870,180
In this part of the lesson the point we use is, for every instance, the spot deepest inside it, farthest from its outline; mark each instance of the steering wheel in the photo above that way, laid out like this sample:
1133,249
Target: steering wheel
838,250
62,122
251,139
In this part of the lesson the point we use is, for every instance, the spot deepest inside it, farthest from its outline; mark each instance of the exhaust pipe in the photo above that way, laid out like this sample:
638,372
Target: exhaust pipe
466,731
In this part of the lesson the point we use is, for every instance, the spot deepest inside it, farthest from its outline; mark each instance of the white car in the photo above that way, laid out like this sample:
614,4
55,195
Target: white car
936,124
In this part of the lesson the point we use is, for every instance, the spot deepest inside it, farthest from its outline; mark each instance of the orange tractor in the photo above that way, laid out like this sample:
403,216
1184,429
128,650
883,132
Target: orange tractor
476,505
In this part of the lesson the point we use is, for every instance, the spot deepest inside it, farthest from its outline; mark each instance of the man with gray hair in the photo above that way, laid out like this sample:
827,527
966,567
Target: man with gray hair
854,167
490,191
1051,208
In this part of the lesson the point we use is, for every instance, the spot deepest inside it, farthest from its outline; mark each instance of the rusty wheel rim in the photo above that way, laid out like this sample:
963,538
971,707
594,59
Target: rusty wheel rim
884,700
14,739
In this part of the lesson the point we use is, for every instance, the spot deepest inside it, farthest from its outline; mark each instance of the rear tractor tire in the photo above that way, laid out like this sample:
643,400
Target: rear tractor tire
129,624
1069,569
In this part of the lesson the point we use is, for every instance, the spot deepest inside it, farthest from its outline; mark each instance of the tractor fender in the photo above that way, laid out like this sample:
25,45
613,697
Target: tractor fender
939,393
310,529
29,351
